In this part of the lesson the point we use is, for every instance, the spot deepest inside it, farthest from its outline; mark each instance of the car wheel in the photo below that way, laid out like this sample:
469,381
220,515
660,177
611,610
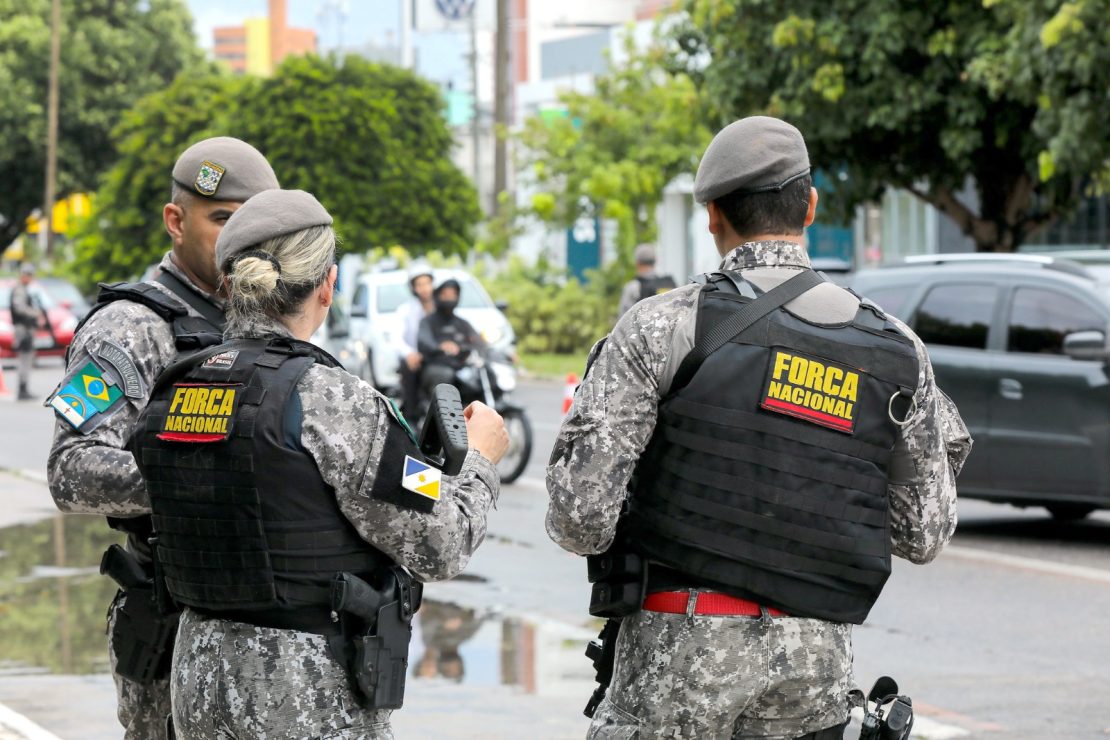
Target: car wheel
1069,512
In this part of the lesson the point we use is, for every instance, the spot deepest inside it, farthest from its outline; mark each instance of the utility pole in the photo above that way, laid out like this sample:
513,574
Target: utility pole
475,125
500,105
46,223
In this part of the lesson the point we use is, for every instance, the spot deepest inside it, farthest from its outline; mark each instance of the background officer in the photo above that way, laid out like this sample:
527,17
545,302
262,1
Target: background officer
266,438
646,283
26,317
130,336
763,486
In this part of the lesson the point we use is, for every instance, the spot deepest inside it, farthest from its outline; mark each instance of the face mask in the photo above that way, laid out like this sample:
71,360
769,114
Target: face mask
446,308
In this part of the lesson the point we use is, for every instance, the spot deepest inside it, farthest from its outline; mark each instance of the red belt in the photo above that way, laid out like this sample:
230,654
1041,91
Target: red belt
708,603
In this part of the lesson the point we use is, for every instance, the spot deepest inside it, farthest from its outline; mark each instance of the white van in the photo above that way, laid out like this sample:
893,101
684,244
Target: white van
374,318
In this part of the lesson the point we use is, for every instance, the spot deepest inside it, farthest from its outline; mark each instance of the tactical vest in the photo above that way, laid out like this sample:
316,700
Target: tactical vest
245,526
767,476
189,333
654,285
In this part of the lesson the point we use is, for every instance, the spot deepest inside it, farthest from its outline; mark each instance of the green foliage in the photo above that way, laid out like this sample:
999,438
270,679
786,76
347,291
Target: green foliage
922,96
617,148
124,235
113,52
551,315
368,140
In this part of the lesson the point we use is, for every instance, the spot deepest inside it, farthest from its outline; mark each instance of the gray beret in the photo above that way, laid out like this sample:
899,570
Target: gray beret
269,214
752,155
224,168
644,254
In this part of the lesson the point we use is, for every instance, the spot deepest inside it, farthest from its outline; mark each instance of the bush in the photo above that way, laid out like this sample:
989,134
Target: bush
550,314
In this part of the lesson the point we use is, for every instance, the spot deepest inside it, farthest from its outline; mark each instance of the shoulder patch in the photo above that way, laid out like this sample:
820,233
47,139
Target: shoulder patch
421,478
86,397
208,178
123,367
200,412
811,389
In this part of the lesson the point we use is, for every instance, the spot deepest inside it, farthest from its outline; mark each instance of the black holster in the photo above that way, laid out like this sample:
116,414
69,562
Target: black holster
376,622
603,653
142,635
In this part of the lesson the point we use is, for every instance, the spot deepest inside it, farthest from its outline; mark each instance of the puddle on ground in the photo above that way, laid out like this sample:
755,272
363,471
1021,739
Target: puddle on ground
53,604
53,601
470,646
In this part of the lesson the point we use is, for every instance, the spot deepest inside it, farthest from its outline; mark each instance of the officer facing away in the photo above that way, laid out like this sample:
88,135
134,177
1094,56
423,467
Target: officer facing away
646,283
762,440
132,334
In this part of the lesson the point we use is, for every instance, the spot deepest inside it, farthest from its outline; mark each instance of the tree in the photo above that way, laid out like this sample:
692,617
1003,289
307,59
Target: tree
368,140
124,234
1009,95
113,52
371,142
617,147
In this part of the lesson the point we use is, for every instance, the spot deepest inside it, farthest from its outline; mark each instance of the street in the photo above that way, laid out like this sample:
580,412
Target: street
1003,636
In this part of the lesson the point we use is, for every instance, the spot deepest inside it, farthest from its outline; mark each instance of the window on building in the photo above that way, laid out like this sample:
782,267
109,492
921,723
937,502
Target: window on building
1040,319
957,315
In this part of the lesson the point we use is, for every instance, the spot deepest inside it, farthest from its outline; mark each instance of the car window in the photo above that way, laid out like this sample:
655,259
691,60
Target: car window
359,298
472,295
956,315
1040,319
890,298
391,296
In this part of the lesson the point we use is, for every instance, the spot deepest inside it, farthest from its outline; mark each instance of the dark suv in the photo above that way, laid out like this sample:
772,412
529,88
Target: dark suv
1019,342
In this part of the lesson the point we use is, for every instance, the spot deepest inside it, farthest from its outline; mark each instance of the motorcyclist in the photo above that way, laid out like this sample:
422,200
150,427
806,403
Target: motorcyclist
421,282
445,339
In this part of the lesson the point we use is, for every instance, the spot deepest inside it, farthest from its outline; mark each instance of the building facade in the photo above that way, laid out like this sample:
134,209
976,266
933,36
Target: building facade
259,45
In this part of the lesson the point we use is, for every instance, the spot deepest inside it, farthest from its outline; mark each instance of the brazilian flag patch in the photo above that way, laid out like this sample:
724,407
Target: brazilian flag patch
86,394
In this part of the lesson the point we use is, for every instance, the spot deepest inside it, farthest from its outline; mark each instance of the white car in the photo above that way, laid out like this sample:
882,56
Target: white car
374,318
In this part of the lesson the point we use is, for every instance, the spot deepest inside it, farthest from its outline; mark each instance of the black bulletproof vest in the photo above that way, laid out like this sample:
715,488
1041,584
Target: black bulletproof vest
245,526
767,473
655,285
189,332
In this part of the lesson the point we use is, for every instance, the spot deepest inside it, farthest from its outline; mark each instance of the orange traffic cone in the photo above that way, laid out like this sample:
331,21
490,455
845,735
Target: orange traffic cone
5,392
568,392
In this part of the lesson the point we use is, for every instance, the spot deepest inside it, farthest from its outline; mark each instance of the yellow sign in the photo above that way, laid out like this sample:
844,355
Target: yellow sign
66,211
199,413
811,389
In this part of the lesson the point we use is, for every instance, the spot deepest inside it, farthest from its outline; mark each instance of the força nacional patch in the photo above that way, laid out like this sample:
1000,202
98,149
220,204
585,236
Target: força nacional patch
811,389
201,412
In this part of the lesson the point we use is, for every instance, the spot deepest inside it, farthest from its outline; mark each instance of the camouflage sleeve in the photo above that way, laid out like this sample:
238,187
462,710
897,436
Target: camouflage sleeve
610,424
928,456
345,424
93,473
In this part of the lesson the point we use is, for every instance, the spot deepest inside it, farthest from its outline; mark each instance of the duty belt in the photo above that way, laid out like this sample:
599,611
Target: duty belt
706,603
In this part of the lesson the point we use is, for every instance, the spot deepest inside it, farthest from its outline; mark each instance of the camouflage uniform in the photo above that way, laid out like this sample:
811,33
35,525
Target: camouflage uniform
93,473
237,680
695,676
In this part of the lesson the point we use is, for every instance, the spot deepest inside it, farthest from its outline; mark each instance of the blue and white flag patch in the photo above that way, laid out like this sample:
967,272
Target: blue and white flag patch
421,478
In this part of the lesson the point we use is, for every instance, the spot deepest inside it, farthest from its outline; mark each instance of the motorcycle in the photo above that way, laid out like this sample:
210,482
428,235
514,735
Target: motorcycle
490,377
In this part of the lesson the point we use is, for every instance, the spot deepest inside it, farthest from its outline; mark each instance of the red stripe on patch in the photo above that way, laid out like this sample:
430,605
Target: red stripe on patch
818,417
189,437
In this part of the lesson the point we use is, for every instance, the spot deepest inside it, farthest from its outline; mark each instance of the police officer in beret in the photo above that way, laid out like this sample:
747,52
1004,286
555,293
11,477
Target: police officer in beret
646,283
277,479
760,443
134,331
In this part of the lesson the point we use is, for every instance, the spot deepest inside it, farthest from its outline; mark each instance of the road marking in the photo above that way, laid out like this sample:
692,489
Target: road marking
962,719
1045,567
24,729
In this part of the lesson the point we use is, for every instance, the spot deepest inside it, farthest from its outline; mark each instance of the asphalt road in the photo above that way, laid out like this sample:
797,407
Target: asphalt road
1003,636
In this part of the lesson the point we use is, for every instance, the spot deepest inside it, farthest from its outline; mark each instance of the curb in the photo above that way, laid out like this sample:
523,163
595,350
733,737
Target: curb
14,726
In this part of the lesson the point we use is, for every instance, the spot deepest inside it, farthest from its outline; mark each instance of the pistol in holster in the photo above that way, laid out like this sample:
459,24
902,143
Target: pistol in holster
142,634
376,622
892,718
603,653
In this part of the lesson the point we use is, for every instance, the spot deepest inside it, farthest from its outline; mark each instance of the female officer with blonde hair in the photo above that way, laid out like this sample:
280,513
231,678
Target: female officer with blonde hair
270,471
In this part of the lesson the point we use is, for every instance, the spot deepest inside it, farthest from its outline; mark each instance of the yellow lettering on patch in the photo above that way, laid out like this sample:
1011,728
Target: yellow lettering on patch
812,389
199,414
